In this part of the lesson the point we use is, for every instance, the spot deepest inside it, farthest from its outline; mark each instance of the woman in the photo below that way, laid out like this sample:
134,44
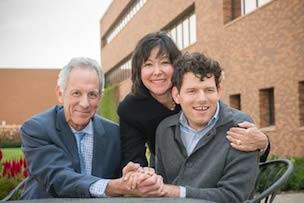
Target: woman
150,101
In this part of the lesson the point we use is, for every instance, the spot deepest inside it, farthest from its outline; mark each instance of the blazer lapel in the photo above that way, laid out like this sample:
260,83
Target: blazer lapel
177,136
66,135
203,141
99,148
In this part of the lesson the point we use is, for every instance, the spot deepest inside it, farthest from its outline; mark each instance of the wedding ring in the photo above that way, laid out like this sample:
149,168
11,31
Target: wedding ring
238,142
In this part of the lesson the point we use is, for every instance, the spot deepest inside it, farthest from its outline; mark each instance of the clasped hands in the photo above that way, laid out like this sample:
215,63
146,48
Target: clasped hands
142,181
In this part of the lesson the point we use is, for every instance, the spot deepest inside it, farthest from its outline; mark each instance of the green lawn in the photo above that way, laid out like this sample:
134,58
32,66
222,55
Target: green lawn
11,153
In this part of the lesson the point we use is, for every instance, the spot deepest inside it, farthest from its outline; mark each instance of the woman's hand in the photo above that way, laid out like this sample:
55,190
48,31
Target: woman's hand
247,137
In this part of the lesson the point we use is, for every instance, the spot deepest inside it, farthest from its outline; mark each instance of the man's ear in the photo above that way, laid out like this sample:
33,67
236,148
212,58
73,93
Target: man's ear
59,94
175,95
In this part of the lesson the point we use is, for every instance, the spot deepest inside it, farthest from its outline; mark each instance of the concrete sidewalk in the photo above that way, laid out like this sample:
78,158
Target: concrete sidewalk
290,197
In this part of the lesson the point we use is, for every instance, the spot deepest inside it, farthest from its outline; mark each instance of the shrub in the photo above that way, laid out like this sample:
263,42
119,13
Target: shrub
10,136
296,179
109,104
7,144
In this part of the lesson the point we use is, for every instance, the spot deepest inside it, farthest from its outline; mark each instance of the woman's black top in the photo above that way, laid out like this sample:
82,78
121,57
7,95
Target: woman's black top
139,117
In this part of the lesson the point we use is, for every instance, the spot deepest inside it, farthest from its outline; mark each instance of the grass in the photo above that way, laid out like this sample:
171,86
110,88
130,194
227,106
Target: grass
11,153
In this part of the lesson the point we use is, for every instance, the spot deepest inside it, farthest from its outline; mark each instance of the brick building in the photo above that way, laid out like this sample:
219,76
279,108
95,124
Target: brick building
259,43
25,92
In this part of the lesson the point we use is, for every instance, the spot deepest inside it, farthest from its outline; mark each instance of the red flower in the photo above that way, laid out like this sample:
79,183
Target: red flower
6,166
25,174
1,154
14,169
24,163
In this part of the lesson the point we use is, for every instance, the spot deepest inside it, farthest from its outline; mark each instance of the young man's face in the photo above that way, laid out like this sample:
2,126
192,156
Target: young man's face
198,99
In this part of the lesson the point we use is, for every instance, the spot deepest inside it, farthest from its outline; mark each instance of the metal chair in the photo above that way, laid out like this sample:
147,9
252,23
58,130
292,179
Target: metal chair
14,191
272,176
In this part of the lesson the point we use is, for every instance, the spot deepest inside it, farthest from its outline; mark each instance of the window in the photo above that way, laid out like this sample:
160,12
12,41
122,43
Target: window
301,102
179,35
248,6
186,34
172,34
183,33
124,20
235,8
235,101
192,28
267,114
119,73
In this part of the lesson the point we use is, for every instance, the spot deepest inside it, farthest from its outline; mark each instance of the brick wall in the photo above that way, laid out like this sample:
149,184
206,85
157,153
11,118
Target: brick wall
263,49
142,23
25,92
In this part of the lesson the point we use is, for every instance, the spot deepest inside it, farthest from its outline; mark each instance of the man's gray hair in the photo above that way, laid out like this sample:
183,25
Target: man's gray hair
85,62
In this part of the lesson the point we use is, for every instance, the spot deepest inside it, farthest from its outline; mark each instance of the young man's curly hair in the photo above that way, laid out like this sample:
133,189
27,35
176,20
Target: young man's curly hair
198,64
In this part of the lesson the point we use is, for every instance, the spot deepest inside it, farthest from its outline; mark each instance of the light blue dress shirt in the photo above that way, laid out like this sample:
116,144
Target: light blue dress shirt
191,137
97,189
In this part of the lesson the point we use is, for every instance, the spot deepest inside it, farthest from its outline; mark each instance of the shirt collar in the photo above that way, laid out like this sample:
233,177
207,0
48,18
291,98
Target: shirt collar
88,129
184,122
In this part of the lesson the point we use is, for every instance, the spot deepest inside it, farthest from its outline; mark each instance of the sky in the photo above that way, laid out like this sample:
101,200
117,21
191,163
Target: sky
48,33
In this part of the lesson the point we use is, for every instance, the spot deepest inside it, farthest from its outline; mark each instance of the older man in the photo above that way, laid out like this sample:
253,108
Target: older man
71,151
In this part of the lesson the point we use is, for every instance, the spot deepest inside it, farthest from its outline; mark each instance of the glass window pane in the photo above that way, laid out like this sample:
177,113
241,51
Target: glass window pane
248,5
262,2
173,35
129,64
192,20
119,27
179,36
169,33
137,7
132,12
186,36
124,22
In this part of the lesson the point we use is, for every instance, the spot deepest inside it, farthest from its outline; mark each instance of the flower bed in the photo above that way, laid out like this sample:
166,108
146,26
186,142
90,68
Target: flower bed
12,172
10,136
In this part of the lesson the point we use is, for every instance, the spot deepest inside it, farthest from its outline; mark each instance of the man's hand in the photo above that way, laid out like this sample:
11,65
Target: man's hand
247,137
130,167
151,187
143,182
134,178
132,175
172,190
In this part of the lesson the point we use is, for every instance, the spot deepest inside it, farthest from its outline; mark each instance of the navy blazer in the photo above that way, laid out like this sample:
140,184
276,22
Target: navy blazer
52,159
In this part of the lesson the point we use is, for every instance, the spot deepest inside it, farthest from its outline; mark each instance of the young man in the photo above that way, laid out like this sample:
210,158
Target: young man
192,151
